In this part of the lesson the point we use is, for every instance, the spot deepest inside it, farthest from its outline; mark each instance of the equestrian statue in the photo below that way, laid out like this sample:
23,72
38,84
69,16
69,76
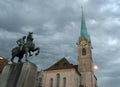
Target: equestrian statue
25,47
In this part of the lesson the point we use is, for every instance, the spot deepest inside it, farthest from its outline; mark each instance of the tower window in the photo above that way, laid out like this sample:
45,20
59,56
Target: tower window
83,51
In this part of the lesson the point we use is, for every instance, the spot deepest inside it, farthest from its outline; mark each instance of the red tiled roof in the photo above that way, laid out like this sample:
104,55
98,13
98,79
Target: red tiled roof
3,62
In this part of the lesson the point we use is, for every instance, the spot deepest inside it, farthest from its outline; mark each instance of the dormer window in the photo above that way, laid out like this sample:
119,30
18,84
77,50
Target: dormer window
83,51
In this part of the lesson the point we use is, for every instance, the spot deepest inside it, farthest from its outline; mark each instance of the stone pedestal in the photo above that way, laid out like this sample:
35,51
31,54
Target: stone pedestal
18,75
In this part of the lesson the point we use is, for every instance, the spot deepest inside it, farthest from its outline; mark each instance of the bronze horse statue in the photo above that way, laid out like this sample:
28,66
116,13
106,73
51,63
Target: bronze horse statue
27,47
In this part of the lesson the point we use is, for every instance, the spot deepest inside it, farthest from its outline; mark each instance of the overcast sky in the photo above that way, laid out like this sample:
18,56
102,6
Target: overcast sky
56,28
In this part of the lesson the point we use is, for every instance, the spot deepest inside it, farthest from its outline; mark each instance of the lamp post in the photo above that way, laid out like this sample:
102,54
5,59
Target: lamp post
95,67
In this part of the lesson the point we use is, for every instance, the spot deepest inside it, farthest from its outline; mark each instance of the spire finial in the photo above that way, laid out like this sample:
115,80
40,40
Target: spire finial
82,8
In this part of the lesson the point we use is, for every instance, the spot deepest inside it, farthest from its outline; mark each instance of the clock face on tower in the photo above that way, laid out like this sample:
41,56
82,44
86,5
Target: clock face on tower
83,43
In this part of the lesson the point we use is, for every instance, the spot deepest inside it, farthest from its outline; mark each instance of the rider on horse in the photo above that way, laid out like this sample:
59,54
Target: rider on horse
29,41
21,42
25,46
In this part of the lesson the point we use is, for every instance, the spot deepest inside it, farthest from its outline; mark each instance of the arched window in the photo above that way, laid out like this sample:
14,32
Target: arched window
64,82
83,51
51,82
58,80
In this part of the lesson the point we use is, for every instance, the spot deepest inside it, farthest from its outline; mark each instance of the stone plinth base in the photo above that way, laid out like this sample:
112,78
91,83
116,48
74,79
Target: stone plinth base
18,75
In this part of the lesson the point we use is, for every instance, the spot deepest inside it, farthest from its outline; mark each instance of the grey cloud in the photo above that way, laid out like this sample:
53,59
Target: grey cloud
56,27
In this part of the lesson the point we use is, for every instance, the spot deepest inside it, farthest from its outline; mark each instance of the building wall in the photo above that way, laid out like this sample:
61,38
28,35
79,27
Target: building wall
85,64
77,80
95,81
39,79
88,79
70,74
84,61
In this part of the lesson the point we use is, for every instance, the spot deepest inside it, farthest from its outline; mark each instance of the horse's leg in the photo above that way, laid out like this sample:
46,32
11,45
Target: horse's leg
19,60
30,53
36,49
26,54
12,59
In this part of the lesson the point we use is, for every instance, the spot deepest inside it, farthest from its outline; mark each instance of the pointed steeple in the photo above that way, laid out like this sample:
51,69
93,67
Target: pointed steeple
84,32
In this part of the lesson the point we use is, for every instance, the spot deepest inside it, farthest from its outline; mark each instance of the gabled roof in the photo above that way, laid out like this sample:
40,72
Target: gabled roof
61,64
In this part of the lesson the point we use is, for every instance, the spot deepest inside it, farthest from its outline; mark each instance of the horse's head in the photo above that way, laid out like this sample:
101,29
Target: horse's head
30,37
30,33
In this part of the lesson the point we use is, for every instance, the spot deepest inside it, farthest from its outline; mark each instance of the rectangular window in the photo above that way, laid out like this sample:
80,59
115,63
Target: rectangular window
64,82
58,80
51,82
83,51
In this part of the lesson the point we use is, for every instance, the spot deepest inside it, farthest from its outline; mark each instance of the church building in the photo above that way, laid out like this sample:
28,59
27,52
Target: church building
65,74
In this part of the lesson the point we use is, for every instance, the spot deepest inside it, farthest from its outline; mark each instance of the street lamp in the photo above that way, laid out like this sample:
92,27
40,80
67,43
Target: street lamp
95,67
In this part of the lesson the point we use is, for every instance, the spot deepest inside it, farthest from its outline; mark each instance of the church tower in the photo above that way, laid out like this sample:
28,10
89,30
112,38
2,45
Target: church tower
85,63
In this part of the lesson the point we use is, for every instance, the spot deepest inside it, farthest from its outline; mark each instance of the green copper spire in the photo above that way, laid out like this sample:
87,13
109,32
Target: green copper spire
84,32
